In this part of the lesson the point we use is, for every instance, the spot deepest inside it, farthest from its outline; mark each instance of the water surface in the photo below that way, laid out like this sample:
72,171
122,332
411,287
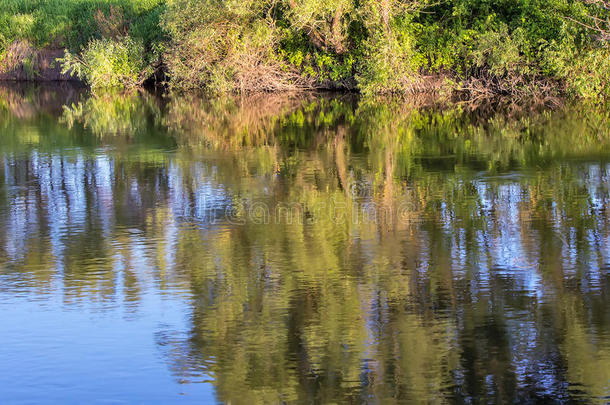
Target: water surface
300,249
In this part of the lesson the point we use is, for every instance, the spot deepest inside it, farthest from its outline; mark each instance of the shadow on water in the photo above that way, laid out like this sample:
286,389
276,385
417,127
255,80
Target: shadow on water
324,248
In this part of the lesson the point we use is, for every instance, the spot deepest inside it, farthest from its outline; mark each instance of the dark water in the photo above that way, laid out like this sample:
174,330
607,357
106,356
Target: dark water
300,249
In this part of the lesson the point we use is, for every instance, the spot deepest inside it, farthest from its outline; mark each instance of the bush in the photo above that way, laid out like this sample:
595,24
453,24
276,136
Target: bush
586,73
390,61
107,62
226,46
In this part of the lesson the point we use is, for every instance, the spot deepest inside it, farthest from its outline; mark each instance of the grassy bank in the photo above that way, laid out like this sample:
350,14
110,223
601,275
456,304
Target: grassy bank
476,47
32,29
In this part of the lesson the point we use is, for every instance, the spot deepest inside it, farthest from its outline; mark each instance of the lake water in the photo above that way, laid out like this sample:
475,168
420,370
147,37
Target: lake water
301,249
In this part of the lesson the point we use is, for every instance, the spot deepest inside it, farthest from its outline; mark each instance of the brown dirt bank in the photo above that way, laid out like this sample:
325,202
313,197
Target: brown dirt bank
23,62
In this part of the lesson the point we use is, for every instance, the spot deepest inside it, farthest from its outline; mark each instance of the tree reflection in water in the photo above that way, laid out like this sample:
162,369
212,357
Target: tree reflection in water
481,276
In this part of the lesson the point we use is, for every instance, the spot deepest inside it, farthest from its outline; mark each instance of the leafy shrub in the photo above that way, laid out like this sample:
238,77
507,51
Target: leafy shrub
497,52
226,46
390,62
586,73
326,22
107,62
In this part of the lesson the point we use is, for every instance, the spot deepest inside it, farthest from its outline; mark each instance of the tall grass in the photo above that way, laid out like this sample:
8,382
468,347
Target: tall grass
72,23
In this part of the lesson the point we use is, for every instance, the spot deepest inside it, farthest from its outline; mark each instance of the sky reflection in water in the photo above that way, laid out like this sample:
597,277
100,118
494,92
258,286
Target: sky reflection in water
300,249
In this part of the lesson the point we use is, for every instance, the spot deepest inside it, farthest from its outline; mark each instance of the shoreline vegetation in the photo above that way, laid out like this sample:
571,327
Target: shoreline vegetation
472,49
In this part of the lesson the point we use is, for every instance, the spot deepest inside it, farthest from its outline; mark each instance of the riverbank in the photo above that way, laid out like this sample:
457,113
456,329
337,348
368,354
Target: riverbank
22,62
477,50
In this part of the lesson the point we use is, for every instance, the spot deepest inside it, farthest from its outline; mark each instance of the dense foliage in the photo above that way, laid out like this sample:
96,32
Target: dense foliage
109,63
482,47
